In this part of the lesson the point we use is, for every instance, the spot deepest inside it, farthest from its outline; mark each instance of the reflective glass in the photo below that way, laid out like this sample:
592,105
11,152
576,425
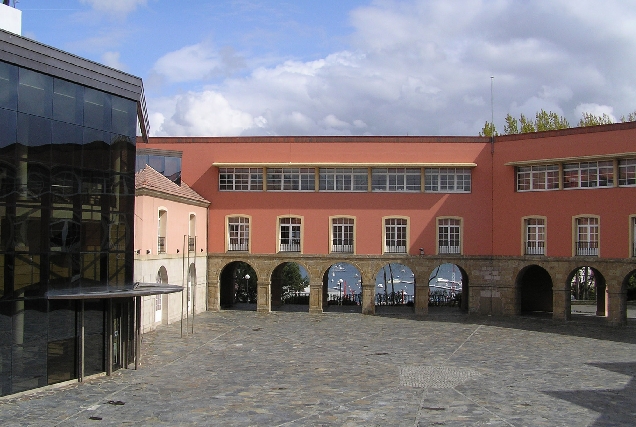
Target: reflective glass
26,276
68,102
6,339
124,116
35,93
96,150
61,353
97,109
7,179
29,348
94,323
8,86
9,126
35,132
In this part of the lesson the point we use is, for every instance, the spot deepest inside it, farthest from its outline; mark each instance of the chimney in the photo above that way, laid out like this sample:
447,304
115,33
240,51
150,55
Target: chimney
10,18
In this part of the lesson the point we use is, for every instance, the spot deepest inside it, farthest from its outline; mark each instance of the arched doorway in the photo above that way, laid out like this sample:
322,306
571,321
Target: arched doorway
238,286
290,287
394,287
448,287
162,278
629,290
342,288
534,285
587,292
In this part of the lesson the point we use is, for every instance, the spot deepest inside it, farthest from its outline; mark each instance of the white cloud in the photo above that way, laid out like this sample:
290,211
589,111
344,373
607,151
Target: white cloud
596,110
111,59
115,6
421,67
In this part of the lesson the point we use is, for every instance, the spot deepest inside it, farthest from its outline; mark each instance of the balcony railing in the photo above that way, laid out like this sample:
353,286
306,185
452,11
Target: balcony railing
395,249
587,248
343,249
535,248
290,247
161,245
243,246
448,250
191,244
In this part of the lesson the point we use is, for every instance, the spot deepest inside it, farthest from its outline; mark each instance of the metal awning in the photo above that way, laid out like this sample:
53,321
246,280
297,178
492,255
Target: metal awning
138,289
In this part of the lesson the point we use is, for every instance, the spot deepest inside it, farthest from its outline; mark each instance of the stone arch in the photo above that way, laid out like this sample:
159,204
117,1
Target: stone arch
586,283
162,275
535,289
237,284
463,295
279,289
395,285
342,284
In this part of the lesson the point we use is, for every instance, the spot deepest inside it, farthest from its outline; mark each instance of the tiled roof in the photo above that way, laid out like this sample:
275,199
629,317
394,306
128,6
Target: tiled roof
151,180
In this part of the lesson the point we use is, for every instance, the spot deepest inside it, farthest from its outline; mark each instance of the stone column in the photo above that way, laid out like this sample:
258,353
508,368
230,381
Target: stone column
616,307
264,303
214,295
368,298
422,292
315,297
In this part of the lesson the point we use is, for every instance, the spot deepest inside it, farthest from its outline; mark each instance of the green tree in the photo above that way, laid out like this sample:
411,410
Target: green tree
488,130
589,119
527,126
292,280
550,121
631,288
512,125
245,287
631,117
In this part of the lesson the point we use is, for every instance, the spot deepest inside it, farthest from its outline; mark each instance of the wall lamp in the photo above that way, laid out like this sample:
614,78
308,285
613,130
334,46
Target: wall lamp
147,251
138,251
177,250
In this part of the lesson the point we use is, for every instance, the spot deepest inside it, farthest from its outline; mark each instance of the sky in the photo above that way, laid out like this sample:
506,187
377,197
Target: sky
353,67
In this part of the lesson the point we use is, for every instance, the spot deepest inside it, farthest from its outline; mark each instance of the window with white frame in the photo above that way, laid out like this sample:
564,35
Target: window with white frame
627,172
238,230
291,179
162,226
395,235
447,180
342,235
588,174
396,179
344,179
240,179
449,235
538,178
587,236
534,236
290,234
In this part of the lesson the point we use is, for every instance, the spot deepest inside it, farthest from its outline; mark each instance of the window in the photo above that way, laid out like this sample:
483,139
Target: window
395,235
538,178
588,174
627,172
238,233
344,179
395,179
162,227
448,236
447,180
534,236
587,236
291,179
192,233
342,235
290,234
241,179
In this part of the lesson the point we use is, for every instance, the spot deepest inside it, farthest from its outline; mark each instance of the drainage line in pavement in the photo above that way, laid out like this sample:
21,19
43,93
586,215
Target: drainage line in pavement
465,341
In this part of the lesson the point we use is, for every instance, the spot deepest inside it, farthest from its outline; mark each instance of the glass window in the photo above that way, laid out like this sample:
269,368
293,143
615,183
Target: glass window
290,234
124,116
587,236
588,174
238,228
395,179
449,232
8,86
342,235
627,172
67,102
447,180
343,179
291,179
538,178
535,236
395,233
97,109
9,126
35,93
241,179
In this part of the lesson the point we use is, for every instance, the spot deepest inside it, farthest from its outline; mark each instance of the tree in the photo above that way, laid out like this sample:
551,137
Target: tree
631,117
488,130
527,126
590,119
292,280
550,121
245,288
512,125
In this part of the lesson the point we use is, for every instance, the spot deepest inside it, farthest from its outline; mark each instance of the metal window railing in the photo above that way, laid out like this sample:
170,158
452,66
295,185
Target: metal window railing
161,245
395,249
290,247
191,244
346,249
244,246
587,248
448,250
535,249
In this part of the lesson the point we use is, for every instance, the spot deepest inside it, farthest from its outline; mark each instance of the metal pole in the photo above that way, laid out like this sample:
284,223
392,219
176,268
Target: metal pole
194,292
137,332
82,342
109,332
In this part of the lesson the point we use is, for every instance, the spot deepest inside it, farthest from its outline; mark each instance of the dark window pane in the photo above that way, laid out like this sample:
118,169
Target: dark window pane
6,339
96,150
9,128
122,153
35,93
158,163
8,86
94,322
35,133
141,162
7,179
172,168
62,356
67,102
97,109
124,116
26,280
29,345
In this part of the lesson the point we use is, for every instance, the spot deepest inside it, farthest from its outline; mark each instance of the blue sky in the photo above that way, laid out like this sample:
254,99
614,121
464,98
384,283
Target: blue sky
377,67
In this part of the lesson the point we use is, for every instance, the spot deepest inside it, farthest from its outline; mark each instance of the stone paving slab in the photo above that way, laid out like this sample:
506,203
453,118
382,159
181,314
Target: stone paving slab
241,368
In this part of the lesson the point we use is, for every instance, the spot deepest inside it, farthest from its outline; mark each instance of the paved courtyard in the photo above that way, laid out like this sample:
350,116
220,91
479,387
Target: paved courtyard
240,368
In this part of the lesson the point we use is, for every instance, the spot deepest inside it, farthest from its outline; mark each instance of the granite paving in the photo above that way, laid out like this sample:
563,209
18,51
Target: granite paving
242,368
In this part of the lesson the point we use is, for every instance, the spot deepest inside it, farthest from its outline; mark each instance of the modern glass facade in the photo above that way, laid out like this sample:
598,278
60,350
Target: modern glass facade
67,161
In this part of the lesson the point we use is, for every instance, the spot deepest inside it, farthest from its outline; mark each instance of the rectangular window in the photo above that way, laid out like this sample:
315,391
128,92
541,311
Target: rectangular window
538,178
535,236
290,234
238,229
342,235
343,179
587,236
447,180
291,179
395,233
449,232
588,174
627,172
395,179
240,179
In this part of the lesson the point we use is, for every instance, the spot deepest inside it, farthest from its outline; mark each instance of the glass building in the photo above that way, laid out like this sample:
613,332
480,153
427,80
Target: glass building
68,307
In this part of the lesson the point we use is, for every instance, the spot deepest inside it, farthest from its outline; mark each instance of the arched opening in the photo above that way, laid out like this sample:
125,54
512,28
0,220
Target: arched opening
629,289
162,278
342,288
238,286
448,287
534,285
394,287
587,292
290,287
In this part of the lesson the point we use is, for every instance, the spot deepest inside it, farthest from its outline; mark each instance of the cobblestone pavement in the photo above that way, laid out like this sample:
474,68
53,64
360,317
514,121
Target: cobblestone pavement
241,368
